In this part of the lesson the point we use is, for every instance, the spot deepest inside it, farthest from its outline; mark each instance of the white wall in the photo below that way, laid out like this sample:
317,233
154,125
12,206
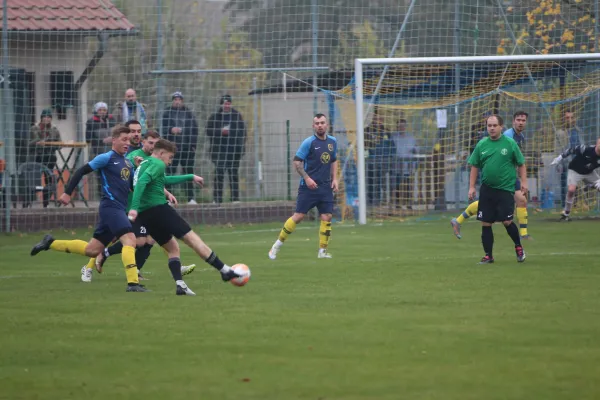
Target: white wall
276,108
51,53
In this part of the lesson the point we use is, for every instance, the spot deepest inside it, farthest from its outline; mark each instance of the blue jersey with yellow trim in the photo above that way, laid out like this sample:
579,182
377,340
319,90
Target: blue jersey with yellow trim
318,154
116,174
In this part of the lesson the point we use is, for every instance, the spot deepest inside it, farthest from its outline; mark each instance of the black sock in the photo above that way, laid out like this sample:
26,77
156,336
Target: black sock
513,232
141,255
116,248
175,267
487,239
215,261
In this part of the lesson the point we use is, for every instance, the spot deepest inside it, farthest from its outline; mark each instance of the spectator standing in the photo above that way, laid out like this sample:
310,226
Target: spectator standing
406,147
131,109
226,132
179,126
98,130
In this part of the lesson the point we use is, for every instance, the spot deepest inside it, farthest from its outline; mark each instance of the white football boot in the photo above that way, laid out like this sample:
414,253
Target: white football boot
86,274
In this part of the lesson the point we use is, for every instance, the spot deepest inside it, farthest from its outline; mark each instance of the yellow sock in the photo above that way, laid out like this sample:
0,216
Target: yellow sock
522,217
288,228
324,234
69,246
469,212
91,263
128,257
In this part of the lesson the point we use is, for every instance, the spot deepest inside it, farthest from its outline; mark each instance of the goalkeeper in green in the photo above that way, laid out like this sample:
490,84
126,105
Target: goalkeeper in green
161,220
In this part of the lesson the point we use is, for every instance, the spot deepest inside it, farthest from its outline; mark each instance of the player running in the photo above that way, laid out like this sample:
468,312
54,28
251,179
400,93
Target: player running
144,242
581,168
316,162
116,172
162,221
516,133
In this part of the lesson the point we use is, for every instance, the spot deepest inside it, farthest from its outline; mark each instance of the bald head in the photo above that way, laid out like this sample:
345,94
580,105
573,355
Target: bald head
130,96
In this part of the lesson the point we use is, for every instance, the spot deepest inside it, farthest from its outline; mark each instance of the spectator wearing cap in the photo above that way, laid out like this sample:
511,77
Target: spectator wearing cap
226,132
179,126
98,130
42,132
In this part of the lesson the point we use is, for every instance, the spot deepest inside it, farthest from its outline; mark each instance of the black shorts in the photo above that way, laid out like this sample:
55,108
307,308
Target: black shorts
138,229
495,205
162,223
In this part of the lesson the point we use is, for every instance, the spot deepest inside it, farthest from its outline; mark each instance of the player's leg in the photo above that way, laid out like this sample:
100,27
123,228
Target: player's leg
521,205
573,179
486,213
467,213
304,202
505,212
325,209
172,248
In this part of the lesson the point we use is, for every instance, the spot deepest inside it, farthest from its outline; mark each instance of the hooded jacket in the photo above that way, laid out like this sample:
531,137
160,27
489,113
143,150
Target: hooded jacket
230,147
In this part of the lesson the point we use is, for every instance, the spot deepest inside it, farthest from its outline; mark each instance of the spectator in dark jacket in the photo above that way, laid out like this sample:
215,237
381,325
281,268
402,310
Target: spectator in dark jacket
98,130
41,135
226,132
180,127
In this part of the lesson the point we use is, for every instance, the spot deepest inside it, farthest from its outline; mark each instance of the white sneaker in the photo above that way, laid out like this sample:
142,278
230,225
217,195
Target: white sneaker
187,269
273,252
323,254
183,290
192,202
86,274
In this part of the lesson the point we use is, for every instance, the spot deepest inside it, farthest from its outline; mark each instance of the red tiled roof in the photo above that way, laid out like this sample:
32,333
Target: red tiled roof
65,15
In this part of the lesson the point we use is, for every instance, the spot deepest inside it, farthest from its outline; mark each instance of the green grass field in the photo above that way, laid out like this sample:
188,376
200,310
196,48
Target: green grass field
403,311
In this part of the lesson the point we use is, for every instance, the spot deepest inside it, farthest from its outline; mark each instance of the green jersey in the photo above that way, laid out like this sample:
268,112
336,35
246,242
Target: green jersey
497,160
131,157
149,183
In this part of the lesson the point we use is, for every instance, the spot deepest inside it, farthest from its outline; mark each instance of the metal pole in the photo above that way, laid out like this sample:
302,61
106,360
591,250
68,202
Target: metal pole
457,51
257,130
315,47
235,70
289,160
160,64
590,57
360,143
8,131
597,40
391,54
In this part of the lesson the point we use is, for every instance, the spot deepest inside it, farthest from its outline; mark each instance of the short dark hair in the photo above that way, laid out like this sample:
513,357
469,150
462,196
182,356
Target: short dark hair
519,114
119,130
164,144
132,122
402,120
320,115
499,118
153,134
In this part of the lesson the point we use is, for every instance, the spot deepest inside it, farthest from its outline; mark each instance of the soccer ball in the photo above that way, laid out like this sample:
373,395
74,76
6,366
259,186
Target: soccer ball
244,272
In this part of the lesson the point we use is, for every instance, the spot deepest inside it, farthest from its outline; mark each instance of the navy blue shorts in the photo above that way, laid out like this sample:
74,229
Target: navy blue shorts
518,185
322,198
112,223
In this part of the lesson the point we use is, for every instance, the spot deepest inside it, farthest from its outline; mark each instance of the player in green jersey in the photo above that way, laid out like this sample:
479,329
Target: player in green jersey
162,221
144,242
497,156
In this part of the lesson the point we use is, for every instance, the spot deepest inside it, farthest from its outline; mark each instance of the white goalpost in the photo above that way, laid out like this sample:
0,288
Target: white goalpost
538,83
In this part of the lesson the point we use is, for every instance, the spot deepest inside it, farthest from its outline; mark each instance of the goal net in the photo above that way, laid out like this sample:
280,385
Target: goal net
412,124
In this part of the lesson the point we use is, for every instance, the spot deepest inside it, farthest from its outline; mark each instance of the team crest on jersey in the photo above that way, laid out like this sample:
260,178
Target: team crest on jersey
125,173
330,146
325,157
504,152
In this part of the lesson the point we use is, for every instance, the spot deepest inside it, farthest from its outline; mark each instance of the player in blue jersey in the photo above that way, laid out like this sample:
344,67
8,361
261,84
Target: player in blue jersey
116,174
316,162
135,138
516,133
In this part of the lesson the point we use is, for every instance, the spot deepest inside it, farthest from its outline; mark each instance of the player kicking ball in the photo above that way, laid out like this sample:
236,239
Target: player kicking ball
162,222
316,163
144,242
117,173
581,168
